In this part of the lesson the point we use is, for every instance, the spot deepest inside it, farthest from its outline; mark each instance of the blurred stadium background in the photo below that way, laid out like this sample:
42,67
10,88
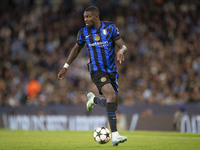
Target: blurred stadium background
159,81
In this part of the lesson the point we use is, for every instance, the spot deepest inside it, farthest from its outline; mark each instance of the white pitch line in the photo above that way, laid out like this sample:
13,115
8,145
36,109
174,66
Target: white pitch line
156,136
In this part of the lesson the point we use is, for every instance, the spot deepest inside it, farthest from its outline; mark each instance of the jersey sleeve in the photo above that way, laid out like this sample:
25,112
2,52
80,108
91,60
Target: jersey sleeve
116,34
80,40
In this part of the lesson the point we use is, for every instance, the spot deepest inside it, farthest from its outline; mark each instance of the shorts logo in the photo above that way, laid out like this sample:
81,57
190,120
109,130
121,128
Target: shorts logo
103,79
97,37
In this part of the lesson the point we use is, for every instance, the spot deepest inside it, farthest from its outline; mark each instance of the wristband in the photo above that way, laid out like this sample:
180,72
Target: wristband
66,65
123,49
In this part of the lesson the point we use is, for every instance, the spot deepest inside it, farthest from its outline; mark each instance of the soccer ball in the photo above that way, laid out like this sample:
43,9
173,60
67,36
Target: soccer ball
102,135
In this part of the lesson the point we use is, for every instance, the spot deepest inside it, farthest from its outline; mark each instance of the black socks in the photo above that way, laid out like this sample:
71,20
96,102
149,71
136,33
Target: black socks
100,101
112,116
110,107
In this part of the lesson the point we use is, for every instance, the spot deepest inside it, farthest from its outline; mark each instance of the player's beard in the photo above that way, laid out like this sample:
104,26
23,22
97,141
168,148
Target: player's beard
90,24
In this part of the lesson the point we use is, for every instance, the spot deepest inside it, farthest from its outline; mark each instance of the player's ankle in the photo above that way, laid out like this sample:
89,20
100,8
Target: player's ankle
115,134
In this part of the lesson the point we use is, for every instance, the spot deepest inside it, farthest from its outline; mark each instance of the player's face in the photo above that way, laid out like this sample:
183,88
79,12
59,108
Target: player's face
89,18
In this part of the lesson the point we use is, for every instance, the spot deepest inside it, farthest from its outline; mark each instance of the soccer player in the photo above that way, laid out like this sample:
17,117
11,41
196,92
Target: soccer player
101,38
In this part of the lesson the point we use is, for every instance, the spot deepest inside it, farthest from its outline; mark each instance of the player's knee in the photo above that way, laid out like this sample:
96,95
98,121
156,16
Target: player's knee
111,98
109,93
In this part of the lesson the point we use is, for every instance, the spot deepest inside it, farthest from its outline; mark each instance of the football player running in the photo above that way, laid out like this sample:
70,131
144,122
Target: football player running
101,38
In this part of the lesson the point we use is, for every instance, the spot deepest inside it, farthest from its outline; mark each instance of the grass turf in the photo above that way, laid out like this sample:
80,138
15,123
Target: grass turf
83,140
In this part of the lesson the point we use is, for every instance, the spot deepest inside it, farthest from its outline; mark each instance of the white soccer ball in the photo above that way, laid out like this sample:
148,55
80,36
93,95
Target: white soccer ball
102,135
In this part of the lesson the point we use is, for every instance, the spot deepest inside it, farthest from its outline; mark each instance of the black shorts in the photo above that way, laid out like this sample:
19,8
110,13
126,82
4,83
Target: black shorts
101,78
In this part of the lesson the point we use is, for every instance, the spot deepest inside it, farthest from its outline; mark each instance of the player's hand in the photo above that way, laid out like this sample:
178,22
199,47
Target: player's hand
120,57
61,73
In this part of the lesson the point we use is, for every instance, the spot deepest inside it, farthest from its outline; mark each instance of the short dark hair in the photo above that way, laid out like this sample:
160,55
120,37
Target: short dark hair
93,9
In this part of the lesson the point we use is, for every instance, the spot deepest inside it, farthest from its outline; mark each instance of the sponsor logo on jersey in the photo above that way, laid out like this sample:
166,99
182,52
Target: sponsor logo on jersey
100,44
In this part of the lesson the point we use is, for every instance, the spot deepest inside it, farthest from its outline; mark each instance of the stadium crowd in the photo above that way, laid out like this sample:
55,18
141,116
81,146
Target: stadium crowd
162,64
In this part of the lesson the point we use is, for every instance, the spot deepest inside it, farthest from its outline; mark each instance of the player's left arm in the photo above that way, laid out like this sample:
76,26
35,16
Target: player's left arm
122,50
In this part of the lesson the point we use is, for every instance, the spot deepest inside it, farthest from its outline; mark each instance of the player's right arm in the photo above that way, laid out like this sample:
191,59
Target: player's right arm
72,55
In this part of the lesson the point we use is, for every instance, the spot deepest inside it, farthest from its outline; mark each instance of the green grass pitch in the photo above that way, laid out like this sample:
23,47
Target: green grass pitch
83,140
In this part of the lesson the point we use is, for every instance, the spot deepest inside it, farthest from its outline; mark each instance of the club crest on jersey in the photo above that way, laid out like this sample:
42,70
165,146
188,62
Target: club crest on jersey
104,31
103,79
97,37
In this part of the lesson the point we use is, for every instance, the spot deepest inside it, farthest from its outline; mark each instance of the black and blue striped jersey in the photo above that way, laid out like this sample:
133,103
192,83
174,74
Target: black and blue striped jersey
101,46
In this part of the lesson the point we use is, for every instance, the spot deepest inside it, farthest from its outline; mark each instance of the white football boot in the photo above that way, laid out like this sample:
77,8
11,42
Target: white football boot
90,103
118,139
